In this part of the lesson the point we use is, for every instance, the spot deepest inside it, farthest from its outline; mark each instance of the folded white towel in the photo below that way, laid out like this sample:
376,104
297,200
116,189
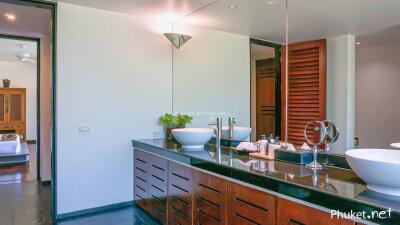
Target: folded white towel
290,147
305,146
249,146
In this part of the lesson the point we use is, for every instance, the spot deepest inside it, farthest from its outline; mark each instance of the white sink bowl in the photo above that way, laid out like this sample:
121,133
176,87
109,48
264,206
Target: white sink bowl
239,133
193,138
379,168
395,145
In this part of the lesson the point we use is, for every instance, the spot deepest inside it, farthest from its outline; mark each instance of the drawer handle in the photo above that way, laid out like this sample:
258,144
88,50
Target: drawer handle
295,222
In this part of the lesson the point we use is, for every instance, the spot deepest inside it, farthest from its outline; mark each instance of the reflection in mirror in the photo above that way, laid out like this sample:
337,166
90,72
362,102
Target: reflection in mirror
344,66
231,66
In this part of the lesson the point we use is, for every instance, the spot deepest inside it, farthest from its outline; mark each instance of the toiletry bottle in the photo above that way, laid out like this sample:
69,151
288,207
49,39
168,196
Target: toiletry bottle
263,144
272,139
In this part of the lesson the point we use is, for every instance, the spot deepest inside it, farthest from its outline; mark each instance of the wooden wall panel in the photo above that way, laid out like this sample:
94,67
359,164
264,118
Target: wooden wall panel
307,87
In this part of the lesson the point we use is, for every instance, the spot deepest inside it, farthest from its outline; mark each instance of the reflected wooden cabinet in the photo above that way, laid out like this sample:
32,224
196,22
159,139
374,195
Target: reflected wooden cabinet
250,206
13,111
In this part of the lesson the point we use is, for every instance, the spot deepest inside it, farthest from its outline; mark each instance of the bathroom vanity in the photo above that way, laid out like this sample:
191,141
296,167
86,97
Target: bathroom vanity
175,186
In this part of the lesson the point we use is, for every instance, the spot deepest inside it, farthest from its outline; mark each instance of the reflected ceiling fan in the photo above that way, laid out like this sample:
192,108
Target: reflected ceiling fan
20,57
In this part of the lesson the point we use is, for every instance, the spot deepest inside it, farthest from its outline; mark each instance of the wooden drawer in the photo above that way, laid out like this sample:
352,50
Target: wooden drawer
180,194
210,196
12,126
291,213
250,206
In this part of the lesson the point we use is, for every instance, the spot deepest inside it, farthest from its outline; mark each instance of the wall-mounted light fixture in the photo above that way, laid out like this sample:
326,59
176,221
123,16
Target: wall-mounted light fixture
178,40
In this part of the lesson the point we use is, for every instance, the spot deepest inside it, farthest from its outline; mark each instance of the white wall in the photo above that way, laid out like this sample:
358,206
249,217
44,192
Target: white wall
212,76
377,95
24,75
114,75
341,89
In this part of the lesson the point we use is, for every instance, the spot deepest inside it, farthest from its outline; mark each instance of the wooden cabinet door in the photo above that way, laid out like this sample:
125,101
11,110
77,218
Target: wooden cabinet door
158,189
180,182
291,213
3,115
266,99
248,206
307,87
141,188
210,199
15,106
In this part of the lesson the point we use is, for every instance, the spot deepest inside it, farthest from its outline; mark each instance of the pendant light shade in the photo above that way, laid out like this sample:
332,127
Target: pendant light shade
178,40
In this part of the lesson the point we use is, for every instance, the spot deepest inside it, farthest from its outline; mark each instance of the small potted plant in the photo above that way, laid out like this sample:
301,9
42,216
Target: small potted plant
171,122
6,83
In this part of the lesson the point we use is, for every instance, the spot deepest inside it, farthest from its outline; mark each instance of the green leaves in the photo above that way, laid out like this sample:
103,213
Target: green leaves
179,120
183,119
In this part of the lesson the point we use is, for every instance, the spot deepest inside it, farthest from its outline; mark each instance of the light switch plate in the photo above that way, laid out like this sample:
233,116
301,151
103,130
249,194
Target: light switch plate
157,133
84,128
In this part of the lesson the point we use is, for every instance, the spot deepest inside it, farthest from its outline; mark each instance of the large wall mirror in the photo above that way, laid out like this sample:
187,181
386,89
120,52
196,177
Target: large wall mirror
231,66
343,66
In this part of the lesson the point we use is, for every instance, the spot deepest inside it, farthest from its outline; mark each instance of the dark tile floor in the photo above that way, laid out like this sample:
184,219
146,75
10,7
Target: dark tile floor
24,201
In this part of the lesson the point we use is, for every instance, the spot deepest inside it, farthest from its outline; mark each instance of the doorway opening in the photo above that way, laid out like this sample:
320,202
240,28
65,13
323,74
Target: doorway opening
265,61
27,62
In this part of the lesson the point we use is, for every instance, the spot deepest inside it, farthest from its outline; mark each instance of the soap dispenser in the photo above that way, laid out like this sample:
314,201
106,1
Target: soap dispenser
263,145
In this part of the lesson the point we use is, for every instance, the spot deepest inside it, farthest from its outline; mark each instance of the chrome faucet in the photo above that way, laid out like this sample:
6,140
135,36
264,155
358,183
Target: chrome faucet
232,123
218,134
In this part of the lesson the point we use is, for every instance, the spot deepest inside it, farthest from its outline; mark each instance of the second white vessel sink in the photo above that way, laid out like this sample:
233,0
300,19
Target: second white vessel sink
379,168
239,133
395,145
193,138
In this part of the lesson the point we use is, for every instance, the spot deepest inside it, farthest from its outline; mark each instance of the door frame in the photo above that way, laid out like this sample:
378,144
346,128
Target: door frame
52,6
278,87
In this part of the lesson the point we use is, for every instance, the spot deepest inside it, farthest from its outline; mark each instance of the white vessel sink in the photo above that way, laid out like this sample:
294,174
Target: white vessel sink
239,133
395,145
193,138
379,168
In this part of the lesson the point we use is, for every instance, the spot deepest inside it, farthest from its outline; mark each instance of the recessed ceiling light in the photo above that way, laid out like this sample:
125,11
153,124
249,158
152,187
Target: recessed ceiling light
271,2
10,16
232,6
358,43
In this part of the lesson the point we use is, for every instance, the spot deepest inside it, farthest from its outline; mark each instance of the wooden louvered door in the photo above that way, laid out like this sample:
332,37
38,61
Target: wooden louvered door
307,87
266,76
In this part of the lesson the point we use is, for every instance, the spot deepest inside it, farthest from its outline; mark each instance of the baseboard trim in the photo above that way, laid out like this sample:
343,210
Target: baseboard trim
69,215
45,182
29,142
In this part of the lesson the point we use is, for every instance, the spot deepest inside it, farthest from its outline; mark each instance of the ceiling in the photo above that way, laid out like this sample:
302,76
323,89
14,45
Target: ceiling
265,19
166,10
10,48
389,35
30,21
